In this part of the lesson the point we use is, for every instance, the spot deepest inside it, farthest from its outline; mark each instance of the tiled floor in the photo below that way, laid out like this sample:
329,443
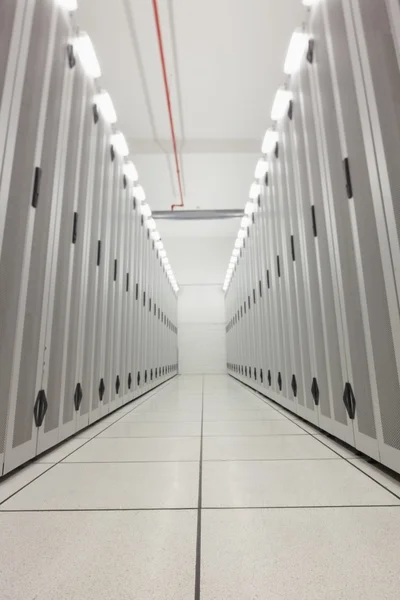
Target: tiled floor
203,490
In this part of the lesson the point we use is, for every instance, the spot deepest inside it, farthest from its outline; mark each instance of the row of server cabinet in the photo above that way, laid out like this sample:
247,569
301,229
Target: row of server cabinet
313,305
87,313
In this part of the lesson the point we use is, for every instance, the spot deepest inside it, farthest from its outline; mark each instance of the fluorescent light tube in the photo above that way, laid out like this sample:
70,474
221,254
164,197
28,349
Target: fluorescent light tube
255,190
105,104
119,143
297,48
245,222
139,194
250,208
281,104
130,171
145,209
162,253
269,141
261,168
239,243
70,5
87,55
151,224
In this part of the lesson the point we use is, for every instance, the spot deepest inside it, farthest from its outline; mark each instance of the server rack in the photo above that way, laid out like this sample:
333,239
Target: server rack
327,334
72,246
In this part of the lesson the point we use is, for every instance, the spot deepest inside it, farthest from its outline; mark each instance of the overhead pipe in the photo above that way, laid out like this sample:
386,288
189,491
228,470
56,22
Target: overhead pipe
168,96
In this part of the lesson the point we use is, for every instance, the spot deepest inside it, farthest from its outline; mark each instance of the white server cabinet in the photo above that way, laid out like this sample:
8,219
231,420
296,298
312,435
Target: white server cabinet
19,199
72,245
329,237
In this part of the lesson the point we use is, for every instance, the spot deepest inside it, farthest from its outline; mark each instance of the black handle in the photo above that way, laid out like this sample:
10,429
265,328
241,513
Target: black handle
292,246
349,400
75,228
314,221
78,395
98,252
315,391
278,265
36,186
349,186
40,408
127,282
115,269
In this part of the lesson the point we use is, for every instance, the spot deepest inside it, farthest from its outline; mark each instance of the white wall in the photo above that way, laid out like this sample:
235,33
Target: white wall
200,265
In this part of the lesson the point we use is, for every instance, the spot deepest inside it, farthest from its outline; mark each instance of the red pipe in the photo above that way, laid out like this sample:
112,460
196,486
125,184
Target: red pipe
168,96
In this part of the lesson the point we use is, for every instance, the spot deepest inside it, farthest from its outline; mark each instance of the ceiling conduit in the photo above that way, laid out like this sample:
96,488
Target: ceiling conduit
168,96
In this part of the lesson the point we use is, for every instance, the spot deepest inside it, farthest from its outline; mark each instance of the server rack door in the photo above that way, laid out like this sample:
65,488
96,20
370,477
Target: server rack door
101,382
82,267
113,277
119,279
287,197
335,351
265,277
40,292
20,177
126,216
90,381
372,31
139,379
337,91
274,262
282,282
82,213
259,318
129,371
306,344
138,300
310,182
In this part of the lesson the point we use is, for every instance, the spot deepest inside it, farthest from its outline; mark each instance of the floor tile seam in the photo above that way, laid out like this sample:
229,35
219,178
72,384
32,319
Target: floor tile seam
332,450
194,508
194,436
52,465
194,461
197,581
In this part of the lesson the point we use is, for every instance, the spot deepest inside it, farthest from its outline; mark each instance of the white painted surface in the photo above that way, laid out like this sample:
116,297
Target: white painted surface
201,322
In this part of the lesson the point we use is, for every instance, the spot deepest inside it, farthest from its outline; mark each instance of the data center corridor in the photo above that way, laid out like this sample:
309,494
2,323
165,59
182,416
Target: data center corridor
200,467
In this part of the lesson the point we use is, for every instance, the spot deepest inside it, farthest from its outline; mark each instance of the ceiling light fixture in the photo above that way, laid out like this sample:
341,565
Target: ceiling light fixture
261,168
119,143
269,142
162,253
151,224
297,48
155,236
250,208
245,222
145,210
159,245
130,171
242,233
255,190
239,243
235,252
105,104
86,53
139,194
281,104
70,5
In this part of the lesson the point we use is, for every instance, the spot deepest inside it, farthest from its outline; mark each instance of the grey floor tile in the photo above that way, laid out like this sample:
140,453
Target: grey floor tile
250,428
62,451
336,446
98,556
143,429
326,554
111,486
289,483
176,416
378,474
211,414
16,481
267,448
138,449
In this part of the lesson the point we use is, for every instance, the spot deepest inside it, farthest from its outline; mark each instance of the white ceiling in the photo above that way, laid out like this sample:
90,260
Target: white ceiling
224,62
